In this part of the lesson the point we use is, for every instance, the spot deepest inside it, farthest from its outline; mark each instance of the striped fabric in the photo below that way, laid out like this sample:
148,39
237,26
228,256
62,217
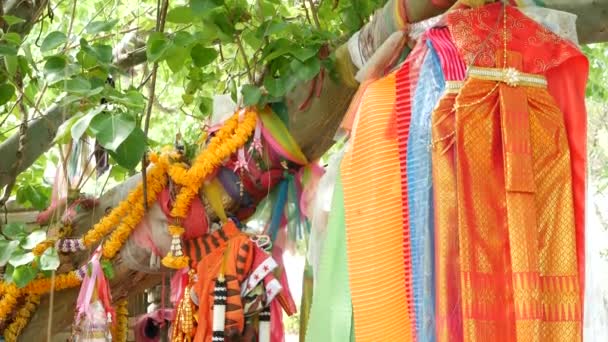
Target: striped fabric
406,78
200,247
451,64
372,201
428,90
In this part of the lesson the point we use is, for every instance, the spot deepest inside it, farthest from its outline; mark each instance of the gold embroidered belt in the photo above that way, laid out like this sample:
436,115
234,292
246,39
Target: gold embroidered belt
510,76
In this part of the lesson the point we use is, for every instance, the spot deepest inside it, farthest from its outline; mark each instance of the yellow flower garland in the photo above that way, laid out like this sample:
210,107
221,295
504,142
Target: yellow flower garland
62,281
22,318
121,213
227,141
8,300
120,328
157,180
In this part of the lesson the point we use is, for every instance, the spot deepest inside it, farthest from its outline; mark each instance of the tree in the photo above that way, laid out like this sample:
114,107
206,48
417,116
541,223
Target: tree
167,61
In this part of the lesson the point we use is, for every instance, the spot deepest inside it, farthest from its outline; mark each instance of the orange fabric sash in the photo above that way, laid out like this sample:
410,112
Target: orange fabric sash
372,199
518,259
447,274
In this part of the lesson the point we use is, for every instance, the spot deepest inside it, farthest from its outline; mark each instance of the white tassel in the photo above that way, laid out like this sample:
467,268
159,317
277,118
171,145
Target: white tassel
264,335
219,310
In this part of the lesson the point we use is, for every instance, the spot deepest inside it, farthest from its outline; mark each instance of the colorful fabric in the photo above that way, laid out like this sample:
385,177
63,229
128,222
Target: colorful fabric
419,180
406,81
278,137
448,313
331,310
235,258
373,213
516,222
566,70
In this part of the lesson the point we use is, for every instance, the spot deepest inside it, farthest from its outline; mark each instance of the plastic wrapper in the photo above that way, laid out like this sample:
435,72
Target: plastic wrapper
320,208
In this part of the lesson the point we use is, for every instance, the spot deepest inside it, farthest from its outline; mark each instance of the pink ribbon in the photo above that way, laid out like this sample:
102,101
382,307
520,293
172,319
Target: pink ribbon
89,282
178,284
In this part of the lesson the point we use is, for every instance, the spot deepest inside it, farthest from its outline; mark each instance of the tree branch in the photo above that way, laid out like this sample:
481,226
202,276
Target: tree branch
160,27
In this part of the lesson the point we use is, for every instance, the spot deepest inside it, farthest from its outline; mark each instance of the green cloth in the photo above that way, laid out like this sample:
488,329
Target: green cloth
331,314
306,302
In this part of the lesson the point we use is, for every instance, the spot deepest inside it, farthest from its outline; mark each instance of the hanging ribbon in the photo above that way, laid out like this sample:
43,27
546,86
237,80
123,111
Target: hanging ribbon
94,280
278,209
279,139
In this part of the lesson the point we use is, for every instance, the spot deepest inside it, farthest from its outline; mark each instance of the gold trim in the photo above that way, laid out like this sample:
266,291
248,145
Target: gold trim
453,87
510,76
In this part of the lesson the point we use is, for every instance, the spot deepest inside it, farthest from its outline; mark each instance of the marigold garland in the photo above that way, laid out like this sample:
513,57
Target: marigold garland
157,180
62,281
8,300
22,318
120,328
233,135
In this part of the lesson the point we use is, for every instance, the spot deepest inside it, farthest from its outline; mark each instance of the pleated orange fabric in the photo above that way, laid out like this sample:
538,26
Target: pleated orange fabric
372,200
447,276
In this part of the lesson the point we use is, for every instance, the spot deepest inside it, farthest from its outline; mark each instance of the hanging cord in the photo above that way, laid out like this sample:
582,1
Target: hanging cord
49,326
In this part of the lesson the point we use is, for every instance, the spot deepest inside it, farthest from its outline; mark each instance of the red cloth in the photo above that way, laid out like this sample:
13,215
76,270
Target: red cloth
196,223
559,60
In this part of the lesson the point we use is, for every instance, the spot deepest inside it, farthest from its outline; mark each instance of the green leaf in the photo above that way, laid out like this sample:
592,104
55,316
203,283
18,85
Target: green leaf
205,106
53,40
157,47
100,26
49,260
111,130
6,93
64,134
21,258
6,250
78,85
7,50
13,38
251,95
277,48
55,68
180,15
108,269
202,56
103,53
14,231
203,6
82,124
275,86
131,151
183,39
275,26
304,53
22,275
132,99
306,70
11,20
176,58
12,64
252,39
33,195
33,238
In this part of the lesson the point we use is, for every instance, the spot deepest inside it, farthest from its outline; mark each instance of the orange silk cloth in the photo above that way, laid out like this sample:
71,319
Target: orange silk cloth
478,36
447,273
516,231
374,226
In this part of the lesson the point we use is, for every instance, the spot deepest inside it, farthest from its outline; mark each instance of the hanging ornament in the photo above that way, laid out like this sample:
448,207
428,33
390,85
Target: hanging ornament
93,309
184,326
175,258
